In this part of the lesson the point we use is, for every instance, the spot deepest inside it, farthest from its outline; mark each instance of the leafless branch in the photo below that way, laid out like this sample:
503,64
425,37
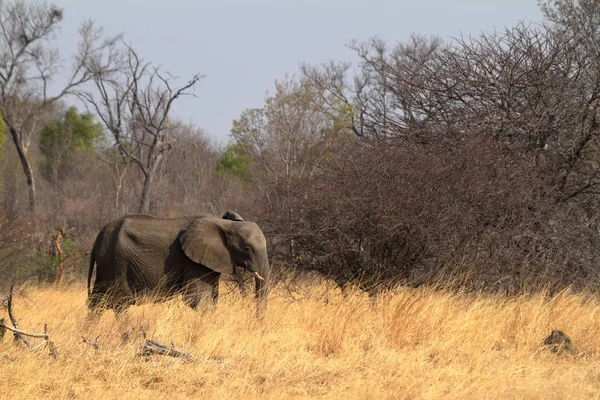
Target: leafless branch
21,334
29,66
17,335
134,104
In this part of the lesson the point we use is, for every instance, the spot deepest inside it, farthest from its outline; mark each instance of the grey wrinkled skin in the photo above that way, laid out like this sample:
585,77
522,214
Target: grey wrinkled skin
145,256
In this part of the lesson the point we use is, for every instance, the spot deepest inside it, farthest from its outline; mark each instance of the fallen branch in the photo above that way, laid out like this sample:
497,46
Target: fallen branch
18,335
51,345
152,347
22,335
21,332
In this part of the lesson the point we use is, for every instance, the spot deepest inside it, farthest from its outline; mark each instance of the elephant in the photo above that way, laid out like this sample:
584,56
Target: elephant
232,216
140,254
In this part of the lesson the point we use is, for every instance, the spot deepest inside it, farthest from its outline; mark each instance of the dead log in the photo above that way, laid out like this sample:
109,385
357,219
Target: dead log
151,347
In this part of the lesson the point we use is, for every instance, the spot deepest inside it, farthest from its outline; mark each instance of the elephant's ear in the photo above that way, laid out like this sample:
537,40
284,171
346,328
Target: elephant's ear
232,216
203,242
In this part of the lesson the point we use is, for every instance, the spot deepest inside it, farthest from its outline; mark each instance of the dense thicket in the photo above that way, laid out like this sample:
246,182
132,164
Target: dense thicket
472,163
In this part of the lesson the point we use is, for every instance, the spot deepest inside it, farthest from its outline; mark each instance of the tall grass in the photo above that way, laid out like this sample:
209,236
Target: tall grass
408,344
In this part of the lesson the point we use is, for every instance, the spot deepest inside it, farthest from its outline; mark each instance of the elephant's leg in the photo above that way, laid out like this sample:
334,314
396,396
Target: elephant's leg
109,295
202,291
99,301
95,307
197,293
121,305
94,303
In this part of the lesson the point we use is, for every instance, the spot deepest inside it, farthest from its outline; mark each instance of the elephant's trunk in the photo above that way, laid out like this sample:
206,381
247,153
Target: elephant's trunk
262,287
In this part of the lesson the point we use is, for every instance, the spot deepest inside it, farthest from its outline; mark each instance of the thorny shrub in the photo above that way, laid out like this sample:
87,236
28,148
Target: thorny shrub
471,215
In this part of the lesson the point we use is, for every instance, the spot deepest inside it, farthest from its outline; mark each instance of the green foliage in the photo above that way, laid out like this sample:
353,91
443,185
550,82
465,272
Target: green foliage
341,114
20,263
21,259
298,127
43,268
248,129
234,160
73,132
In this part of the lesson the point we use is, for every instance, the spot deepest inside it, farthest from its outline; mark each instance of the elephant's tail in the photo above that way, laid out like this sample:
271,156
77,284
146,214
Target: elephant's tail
91,271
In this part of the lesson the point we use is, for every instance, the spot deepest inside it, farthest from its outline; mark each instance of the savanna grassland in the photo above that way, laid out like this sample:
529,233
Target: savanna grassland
410,344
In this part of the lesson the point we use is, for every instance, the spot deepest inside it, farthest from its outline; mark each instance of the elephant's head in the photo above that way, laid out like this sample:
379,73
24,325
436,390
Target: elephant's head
220,244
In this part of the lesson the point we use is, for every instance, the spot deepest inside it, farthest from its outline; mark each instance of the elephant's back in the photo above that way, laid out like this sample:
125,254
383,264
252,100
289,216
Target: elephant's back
152,233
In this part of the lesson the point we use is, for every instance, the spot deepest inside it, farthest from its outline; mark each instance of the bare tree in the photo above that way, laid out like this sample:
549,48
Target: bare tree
532,88
385,94
29,66
185,180
134,105
288,139
292,133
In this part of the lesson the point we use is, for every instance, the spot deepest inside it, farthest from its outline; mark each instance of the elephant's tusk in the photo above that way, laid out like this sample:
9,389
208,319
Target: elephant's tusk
258,276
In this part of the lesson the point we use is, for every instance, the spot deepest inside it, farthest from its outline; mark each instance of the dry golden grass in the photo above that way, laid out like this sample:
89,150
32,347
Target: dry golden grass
411,344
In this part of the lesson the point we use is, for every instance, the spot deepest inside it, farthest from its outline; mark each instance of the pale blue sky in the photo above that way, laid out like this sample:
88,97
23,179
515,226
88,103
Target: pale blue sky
244,46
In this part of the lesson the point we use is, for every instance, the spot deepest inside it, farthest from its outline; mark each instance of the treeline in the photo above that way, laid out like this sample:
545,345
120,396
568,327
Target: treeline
471,163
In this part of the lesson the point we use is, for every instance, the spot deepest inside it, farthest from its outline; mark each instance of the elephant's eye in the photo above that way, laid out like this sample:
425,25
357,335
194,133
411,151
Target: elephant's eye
248,248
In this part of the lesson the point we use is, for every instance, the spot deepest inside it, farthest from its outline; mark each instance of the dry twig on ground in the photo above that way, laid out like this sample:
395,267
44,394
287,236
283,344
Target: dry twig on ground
93,343
125,336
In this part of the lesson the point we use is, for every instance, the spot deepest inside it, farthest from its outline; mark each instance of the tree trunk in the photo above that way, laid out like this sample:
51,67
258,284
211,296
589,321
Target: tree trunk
27,169
148,171
119,186
144,207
